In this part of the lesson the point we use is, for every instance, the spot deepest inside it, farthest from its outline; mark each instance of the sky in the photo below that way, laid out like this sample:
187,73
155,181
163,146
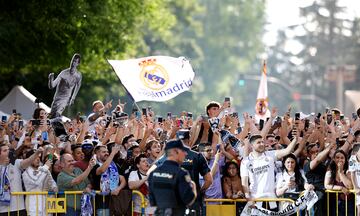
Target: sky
283,13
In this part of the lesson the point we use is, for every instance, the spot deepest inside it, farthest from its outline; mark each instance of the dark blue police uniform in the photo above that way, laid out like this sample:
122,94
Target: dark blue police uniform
170,188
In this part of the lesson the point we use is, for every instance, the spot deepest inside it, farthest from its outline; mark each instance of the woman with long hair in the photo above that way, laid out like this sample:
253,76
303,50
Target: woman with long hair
291,181
338,178
231,184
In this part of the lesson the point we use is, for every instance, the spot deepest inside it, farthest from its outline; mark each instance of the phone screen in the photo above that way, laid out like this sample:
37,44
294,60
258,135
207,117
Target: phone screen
329,118
144,111
21,124
297,116
307,123
354,116
227,99
261,124
3,118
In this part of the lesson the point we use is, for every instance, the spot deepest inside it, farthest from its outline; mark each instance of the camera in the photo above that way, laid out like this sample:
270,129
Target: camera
120,117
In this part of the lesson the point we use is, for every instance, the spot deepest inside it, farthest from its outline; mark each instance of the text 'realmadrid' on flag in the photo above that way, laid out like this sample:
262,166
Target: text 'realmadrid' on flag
154,78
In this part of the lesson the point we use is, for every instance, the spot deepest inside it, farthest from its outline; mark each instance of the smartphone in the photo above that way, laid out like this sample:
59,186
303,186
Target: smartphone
50,156
327,109
14,111
217,147
149,109
307,124
329,118
354,116
267,119
144,111
138,115
4,118
44,135
21,123
169,115
227,99
235,115
204,117
189,115
261,124
35,122
337,142
297,116
342,117
160,119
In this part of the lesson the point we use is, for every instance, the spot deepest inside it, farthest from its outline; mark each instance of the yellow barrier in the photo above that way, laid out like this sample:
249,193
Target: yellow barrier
328,192
230,211
55,201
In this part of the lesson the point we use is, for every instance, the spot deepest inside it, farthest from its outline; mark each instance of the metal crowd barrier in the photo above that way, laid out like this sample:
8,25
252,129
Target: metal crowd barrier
55,208
231,211
336,192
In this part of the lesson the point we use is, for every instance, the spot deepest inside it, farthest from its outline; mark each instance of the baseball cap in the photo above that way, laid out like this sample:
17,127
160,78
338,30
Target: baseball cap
175,144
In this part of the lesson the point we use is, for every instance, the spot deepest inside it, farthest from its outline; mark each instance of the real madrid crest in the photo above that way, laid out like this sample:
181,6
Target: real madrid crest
153,75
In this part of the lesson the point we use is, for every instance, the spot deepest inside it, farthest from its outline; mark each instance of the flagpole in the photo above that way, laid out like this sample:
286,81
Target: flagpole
128,93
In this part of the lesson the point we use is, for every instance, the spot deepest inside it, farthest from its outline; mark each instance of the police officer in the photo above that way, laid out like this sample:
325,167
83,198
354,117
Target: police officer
195,164
170,186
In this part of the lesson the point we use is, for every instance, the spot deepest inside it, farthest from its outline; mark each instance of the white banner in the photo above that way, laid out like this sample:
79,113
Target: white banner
154,78
306,201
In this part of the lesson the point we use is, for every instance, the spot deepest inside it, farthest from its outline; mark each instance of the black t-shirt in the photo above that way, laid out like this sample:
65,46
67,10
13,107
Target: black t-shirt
315,176
95,183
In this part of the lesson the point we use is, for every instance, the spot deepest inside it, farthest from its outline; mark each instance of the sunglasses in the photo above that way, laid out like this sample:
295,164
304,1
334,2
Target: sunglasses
87,146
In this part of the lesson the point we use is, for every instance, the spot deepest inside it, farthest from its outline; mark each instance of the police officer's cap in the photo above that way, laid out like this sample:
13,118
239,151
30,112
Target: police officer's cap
175,144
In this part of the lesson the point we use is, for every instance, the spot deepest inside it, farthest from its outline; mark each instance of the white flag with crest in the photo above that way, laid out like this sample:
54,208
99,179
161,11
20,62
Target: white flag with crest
154,78
262,101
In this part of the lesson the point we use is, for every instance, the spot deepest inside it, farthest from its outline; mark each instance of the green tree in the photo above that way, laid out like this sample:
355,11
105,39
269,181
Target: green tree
327,38
39,37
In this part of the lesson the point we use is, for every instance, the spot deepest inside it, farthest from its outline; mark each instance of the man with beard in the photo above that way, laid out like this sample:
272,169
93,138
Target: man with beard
259,168
105,177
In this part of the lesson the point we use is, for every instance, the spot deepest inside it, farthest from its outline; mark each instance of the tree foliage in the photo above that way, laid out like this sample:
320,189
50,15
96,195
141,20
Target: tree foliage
221,38
327,37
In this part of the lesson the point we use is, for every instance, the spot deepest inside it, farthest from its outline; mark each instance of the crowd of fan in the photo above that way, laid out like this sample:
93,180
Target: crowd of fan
112,152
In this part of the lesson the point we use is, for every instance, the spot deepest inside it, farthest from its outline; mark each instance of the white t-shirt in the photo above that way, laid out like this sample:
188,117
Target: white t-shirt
261,173
14,173
137,201
354,166
283,178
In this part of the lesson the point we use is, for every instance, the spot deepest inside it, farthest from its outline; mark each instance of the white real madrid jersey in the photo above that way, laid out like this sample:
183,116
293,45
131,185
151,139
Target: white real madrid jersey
261,173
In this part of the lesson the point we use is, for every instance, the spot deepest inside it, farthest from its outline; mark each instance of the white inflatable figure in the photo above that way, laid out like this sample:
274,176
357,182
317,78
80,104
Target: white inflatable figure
67,84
